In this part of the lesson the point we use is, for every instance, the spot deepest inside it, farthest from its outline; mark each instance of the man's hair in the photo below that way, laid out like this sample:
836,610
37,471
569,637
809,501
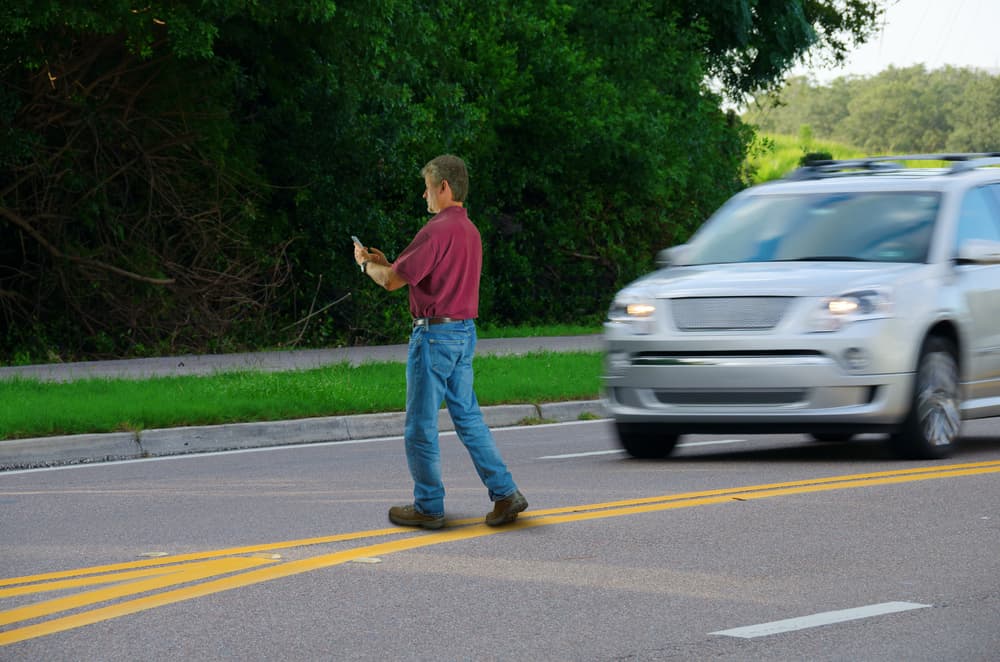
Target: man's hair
451,168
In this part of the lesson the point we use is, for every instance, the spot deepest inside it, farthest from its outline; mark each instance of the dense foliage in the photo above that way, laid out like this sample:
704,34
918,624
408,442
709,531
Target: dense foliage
186,175
901,110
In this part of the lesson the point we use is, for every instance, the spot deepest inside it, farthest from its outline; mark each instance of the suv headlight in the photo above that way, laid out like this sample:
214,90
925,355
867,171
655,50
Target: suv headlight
837,312
639,315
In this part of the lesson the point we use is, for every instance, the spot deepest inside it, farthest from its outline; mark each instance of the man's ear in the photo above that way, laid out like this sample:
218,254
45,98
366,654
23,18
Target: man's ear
446,189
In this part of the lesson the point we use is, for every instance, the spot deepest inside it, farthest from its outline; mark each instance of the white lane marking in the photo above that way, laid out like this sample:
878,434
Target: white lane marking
618,450
711,442
614,451
816,620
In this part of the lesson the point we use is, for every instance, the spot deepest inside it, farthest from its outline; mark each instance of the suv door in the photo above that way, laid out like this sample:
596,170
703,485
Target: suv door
980,284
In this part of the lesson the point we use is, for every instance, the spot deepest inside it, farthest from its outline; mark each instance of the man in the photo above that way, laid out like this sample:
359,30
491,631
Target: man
442,267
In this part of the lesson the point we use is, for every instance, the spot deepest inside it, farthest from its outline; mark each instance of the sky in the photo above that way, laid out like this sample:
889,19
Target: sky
961,33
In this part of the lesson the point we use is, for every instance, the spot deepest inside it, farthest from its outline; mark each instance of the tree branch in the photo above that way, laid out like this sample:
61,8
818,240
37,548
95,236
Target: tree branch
55,252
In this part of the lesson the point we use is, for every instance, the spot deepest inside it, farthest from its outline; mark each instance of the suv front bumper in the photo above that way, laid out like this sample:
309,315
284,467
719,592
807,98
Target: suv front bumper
800,391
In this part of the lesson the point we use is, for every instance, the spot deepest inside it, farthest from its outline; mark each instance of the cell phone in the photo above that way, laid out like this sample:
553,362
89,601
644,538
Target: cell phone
357,241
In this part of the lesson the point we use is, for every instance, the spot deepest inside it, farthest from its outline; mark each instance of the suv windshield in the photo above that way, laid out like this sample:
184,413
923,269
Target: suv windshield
865,226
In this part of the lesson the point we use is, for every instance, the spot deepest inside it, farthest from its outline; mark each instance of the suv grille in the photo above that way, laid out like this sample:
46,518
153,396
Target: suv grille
728,313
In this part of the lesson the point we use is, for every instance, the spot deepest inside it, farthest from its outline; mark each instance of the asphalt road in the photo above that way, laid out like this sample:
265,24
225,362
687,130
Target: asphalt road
825,551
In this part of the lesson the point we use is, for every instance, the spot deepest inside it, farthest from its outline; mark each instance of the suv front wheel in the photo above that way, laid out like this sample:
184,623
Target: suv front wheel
930,430
647,441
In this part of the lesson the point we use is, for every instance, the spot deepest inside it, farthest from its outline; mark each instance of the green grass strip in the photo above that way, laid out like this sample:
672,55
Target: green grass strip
32,408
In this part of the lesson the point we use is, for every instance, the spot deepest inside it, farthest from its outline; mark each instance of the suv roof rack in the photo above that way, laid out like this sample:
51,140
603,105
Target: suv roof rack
961,162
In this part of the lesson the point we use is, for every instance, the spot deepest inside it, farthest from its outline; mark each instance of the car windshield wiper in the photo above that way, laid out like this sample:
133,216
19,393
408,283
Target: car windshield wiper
826,258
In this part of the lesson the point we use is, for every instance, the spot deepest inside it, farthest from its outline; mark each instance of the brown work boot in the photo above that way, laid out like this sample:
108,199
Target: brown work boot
409,516
505,510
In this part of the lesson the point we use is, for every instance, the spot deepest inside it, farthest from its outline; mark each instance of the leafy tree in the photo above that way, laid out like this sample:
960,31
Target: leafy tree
753,43
583,128
188,174
130,190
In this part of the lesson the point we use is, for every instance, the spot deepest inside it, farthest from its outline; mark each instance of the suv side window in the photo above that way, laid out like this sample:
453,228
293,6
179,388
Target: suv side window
995,190
978,218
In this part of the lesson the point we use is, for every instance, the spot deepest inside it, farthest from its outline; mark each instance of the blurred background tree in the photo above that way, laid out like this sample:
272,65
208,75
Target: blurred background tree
901,110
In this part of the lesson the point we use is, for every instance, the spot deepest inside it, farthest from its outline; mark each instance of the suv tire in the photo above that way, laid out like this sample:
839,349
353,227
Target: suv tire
647,441
930,430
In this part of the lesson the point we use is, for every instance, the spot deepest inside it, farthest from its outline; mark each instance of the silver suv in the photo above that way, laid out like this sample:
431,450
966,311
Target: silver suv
849,297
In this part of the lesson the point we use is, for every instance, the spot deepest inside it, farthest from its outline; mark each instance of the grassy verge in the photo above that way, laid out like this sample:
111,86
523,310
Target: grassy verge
31,408
777,155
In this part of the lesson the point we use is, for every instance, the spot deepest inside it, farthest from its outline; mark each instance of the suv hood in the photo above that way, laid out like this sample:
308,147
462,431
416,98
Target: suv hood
798,279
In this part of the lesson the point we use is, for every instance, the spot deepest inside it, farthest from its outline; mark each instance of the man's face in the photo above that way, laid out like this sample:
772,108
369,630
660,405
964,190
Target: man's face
431,192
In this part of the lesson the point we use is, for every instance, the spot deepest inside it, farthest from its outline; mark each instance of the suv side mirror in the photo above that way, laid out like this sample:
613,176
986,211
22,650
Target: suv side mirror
672,255
979,251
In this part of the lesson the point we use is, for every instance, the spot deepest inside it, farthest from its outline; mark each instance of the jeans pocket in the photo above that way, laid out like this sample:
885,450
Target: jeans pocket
445,351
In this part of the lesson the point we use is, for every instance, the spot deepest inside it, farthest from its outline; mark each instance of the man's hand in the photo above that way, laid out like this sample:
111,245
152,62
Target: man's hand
378,257
372,255
378,268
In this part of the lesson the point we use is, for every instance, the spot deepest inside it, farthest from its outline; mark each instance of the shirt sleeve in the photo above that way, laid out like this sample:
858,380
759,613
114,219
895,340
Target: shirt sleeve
417,260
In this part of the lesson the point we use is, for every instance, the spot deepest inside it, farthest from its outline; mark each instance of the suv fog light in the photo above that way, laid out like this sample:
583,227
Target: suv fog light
617,361
856,358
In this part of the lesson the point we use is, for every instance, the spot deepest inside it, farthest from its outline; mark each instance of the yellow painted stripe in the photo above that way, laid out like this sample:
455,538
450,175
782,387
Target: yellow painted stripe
251,549
762,494
238,581
198,556
61,585
540,518
180,574
757,488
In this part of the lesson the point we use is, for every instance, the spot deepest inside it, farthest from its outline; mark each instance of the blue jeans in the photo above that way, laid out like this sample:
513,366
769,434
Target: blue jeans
439,367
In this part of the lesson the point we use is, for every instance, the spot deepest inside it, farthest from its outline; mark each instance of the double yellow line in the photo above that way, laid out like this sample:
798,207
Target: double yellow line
226,569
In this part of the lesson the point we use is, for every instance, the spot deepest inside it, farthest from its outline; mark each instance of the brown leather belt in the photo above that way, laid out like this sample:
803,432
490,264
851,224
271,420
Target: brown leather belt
427,321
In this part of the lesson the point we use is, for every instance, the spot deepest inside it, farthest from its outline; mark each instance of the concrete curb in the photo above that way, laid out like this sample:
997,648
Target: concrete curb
90,448
72,449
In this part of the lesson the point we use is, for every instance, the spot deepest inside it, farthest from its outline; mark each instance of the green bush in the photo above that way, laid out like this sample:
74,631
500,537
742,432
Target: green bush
186,175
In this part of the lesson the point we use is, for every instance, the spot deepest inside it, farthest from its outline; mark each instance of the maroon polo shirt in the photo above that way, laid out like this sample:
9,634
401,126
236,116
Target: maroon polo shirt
442,266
